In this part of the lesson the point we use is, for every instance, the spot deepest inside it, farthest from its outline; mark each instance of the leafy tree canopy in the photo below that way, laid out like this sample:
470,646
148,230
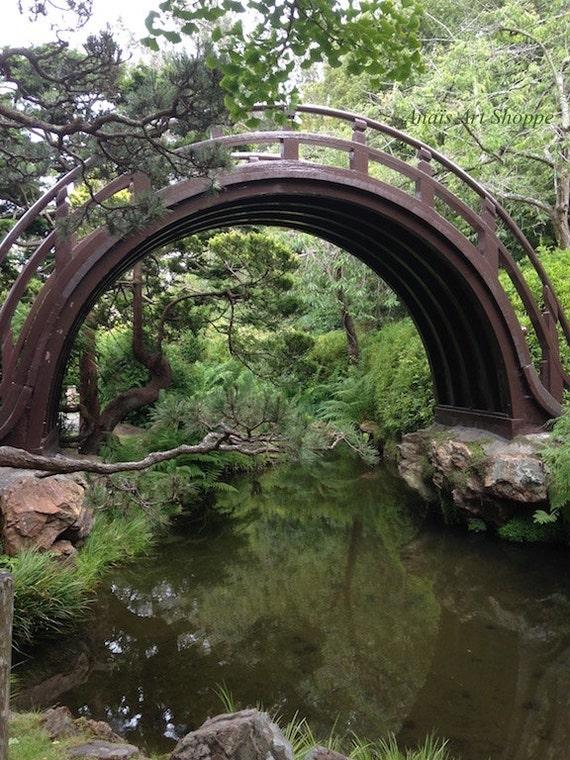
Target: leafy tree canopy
493,95
263,43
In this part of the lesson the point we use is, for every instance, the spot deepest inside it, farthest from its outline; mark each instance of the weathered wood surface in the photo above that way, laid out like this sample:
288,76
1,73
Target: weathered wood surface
6,618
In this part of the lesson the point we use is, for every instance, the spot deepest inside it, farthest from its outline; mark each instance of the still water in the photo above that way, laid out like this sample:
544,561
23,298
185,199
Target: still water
327,590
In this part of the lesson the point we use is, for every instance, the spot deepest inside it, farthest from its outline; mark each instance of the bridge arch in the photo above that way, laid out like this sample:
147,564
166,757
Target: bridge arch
481,367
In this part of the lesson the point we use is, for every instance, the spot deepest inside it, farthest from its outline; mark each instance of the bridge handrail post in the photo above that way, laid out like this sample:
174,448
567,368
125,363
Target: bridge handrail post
487,235
359,153
550,364
290,149
140,183
425,190
6,621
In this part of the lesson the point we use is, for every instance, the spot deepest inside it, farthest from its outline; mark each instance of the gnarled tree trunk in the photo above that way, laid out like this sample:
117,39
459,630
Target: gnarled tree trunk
353,346
160,377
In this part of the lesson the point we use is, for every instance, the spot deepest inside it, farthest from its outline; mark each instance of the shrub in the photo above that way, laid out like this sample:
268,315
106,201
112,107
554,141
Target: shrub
329,355
557,458
524,529
401,378
48,596
557,265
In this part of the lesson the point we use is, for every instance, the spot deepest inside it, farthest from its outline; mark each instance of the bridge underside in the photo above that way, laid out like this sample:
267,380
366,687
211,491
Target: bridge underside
472,339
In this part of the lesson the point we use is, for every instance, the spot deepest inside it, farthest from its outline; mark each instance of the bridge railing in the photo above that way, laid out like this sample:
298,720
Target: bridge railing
424,177
549,324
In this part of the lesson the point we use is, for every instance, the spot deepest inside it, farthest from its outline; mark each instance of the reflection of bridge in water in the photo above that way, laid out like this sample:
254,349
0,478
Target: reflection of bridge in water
440,250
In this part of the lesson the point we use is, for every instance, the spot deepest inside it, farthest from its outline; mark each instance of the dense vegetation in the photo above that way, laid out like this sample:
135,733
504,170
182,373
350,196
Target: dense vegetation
289,343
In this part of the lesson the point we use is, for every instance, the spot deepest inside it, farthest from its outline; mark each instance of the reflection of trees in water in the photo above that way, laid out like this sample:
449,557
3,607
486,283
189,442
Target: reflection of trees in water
301,603
321,595
504,644
325,595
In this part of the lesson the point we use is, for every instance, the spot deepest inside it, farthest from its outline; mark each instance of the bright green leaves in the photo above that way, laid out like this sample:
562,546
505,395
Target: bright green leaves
260,46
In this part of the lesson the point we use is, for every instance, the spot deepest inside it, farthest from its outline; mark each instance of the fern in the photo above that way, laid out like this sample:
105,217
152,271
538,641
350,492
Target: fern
557,457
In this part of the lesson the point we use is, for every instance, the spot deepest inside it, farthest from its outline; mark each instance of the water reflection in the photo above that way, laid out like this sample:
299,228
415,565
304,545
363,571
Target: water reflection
326,591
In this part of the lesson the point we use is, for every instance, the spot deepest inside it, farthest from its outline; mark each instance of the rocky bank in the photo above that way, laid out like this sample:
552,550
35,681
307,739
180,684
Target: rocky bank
44,512
243,735
483,476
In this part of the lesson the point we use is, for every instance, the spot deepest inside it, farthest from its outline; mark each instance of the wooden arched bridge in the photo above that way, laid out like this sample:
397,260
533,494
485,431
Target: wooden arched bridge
426,227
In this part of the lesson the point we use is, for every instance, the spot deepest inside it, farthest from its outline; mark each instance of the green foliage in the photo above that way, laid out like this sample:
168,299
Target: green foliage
351,399
348,403
431,749
117,366
524,529
402,380
546,518
177,98
115,539
234,284
328,275
557,265
557,458
329,356
476,77
259,60
119,370
50,596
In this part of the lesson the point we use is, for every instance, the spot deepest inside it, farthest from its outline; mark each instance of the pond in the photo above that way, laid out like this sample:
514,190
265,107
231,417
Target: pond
329,591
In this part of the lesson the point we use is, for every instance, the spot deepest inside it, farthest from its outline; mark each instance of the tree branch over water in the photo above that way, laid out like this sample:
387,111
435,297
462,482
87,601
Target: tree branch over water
226,441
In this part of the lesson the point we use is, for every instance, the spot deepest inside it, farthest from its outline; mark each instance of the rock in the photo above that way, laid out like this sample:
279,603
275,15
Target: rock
322,753
102,750
42,513
370,428
448,457
64,549
517,477
98,729
485,475
413,465
245,735
58,723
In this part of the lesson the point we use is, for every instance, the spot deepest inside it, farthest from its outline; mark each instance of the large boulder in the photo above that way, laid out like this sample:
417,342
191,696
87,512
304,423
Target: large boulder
244,735
44,513
485,475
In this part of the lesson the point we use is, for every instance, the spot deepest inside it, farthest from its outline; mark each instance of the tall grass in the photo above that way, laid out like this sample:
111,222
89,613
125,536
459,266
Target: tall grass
50,596
114,540
302,739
